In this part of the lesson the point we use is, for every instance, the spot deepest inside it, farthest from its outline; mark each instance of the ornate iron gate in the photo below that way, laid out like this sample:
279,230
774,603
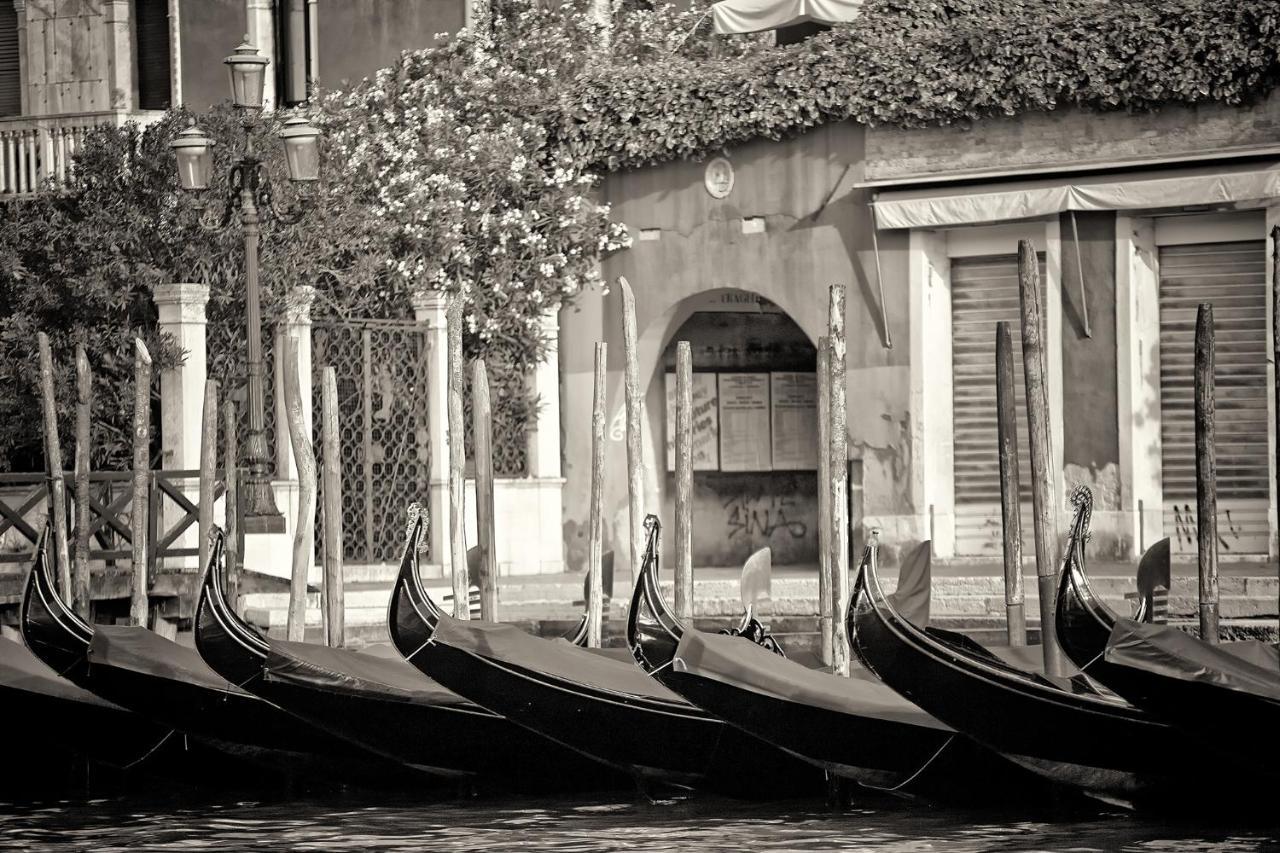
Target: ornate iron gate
381,368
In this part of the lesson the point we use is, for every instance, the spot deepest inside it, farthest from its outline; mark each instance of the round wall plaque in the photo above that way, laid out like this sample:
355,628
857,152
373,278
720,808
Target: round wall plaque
718,178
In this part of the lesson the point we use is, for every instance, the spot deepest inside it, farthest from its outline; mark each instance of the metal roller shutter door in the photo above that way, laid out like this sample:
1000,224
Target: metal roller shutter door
1232,277
984,291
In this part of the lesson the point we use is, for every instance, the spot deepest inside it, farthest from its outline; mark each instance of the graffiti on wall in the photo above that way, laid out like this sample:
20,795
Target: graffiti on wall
760,515
1186,531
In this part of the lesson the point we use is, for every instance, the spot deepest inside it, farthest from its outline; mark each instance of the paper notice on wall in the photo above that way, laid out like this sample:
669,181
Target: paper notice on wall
794,406
706,423
744,422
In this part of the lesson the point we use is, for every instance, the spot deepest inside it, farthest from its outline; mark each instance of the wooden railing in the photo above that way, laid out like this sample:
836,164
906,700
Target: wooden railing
110,502
37,152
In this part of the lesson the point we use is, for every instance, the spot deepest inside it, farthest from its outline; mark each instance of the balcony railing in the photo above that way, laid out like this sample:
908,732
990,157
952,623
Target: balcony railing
37,152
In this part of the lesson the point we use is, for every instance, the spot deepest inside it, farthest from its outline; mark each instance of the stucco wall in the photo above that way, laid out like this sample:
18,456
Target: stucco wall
817,232
1069,137
357,37
210,31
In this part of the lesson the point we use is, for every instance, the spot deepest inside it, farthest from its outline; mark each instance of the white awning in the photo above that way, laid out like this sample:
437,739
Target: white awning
754,16
1217,184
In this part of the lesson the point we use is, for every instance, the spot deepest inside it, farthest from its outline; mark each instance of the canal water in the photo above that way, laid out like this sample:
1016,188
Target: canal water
696,824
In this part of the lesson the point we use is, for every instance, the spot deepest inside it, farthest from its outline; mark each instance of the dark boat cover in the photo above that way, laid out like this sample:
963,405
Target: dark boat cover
1168,651
911,598
346,671
555,657
22,670
747,666
136,649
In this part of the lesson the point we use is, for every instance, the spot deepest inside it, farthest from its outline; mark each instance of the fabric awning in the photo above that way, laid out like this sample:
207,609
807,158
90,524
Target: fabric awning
1208,185
754,16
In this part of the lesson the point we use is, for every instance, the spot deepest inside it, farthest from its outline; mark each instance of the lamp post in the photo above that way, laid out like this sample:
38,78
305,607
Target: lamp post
249,192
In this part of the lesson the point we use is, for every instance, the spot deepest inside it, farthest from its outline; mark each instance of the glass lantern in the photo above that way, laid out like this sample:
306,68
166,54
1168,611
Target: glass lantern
195,161
248,70
301,149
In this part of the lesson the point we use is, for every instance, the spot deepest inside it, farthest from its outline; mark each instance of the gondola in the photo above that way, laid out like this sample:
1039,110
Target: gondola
222,733
604,708
1062,729
855,727
1177,677
200,729
381,703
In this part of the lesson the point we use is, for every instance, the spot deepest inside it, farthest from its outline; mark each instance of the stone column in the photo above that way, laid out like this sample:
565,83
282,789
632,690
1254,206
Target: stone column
182,316
544,440
120,70
297,326
261,22
429,309
24,63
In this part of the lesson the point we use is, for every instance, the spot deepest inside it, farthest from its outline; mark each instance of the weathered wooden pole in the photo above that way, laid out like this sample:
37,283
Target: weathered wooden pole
208,467
53,463
138,604
304,530
231,518
684,481
839,482
482,444
825,596
457,467
1044,498
595,532
1275,349
634,401
334,596
1206,476
80,583
1010,501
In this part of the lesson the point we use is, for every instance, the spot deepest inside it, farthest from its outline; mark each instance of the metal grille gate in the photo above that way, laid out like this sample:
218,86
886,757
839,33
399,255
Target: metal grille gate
381,369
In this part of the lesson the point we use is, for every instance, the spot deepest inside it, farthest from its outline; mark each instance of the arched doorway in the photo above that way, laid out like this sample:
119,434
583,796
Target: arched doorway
755,430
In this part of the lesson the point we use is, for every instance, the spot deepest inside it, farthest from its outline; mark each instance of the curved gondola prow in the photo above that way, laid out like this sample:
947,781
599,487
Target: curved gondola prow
653,631
411,614
228,644
50,628
860,597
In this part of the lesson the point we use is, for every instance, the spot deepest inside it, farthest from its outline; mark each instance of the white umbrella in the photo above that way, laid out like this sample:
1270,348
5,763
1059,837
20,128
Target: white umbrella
754,16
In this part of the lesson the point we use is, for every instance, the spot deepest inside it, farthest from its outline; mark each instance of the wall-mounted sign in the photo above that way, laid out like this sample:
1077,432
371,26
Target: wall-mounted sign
744,422
794,399
706,423
718,178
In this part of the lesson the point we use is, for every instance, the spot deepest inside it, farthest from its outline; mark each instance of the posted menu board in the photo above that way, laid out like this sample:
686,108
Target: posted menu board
744,422
706,423
794,398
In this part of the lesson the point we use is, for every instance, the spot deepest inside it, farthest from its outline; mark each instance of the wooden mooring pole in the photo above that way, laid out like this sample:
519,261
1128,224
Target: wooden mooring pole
684,481
482,445
634,401
80,583
331,454
304,531
138,603
208,467
1010,501
231,518
825,596
457,467
1206,476
595,532
53,465
839,482
1044,497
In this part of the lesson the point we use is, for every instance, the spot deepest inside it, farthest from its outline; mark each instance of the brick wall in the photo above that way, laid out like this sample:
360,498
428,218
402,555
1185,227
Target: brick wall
1069,137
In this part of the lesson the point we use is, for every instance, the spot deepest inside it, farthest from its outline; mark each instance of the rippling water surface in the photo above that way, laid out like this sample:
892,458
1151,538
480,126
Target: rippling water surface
694,824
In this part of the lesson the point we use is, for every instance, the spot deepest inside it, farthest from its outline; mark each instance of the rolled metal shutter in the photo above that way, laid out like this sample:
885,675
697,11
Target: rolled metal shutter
10,66
984,291
1231,277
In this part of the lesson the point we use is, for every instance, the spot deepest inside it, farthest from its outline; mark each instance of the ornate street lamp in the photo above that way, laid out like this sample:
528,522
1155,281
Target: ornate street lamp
249,191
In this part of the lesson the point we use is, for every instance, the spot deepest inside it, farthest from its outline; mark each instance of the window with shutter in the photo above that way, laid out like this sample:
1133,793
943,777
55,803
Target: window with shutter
10,67
151,29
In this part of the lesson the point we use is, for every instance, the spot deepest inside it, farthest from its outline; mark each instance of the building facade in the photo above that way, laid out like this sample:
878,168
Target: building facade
1136,219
